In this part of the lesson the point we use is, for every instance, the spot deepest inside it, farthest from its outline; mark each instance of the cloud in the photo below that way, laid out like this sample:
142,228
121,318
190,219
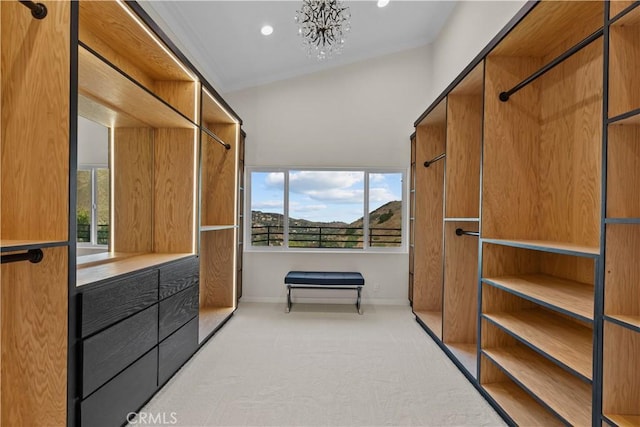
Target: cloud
305,181
382,195
274,180
268,204
337,195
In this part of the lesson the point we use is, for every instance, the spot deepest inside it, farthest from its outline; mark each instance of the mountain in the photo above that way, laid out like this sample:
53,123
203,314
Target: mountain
385,223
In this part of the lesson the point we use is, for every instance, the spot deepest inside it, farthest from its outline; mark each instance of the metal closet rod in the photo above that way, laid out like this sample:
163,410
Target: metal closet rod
460,232
32,255
38,10
435,159
216,138
504,96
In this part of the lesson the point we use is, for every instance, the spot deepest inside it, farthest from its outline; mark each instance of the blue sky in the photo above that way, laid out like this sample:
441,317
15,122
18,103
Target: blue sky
323,195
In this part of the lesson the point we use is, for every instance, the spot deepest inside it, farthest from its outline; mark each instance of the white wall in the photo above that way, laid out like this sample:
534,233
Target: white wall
357,115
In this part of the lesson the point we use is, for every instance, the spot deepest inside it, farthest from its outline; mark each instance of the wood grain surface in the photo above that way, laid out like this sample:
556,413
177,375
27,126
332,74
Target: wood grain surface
622,270
624,57
34,162
623,172
218,176
217,252
520,406
173,203
460,286
428,247
621,372
132,171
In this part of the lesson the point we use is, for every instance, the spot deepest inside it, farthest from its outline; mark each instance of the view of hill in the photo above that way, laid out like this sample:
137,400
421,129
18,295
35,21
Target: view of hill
385,223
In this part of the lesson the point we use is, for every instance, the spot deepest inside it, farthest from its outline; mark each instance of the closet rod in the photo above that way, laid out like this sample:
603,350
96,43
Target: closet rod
38,10
435,159
32,255
504,96
216,138
460,232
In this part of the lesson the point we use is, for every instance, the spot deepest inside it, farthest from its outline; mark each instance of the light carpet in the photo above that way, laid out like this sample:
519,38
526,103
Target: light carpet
321,365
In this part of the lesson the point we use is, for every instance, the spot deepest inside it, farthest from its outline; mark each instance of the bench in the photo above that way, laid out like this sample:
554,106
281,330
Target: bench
324,280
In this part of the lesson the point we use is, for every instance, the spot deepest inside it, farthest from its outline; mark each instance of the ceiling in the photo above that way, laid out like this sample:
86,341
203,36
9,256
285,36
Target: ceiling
223,37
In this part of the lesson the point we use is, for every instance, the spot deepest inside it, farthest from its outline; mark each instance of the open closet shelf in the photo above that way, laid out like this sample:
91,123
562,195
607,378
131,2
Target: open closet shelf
568,296
521,407
117,93
548,246
565,394
570,344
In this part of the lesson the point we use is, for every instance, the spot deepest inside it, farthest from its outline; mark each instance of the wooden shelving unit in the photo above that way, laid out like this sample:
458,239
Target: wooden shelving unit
430,141
34,205
519,405
412,217
219,214
621,330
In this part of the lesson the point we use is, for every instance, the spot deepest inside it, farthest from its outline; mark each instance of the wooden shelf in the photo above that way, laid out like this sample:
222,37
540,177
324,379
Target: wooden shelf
567,295
433,320
462,220
623,420
520,406
8,245
565,394
467,355
108,86
568,343
210,318
619,6
548,246
633,321
95,273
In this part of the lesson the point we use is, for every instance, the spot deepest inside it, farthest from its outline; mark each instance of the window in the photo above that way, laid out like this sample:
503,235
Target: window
326,209
93,205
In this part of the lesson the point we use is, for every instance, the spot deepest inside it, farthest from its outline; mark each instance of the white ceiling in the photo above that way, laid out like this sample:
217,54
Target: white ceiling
223,37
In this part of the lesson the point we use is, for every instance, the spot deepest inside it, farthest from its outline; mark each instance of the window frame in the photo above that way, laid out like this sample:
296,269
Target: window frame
93,234
249,247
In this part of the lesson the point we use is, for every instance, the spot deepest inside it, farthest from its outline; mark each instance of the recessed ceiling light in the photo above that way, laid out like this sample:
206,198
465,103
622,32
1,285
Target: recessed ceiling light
383,3
266,30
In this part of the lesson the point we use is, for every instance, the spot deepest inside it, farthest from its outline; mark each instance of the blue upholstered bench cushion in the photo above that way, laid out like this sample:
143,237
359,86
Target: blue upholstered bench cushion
328,278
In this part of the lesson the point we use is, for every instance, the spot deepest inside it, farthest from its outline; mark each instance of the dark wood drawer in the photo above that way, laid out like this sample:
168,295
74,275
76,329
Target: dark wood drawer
177,310
117,299
125,393
178,276
110,351
177,349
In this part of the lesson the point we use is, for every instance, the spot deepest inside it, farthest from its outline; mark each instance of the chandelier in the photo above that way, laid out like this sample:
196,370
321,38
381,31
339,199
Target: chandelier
322,24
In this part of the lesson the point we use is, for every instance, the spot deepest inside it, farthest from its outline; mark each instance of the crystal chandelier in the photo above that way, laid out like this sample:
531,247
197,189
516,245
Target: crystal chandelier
322,24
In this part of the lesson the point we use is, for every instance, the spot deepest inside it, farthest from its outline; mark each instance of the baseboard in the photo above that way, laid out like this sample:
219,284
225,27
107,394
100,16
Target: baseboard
350,301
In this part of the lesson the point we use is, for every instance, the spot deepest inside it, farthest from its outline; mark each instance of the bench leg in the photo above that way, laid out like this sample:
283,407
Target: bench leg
358,301
288,299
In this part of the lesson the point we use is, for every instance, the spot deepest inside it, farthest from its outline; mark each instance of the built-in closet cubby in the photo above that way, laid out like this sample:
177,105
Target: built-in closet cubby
220,146
541,217
35,57
621,330
461,218
430,142
129,82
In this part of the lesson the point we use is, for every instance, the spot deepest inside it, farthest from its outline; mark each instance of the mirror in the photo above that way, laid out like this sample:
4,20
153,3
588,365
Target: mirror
93,188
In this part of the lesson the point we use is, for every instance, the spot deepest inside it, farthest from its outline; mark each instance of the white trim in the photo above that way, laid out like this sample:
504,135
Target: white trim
248,247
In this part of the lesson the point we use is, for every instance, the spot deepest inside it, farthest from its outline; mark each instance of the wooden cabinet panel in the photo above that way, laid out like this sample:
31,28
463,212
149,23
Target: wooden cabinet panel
118,299
107,353
178,276
176,350
177,310
126,393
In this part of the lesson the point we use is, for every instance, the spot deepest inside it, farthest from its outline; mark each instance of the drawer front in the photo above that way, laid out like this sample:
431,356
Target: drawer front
177,310
118,299
109,406
110,351
177,349
178,276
